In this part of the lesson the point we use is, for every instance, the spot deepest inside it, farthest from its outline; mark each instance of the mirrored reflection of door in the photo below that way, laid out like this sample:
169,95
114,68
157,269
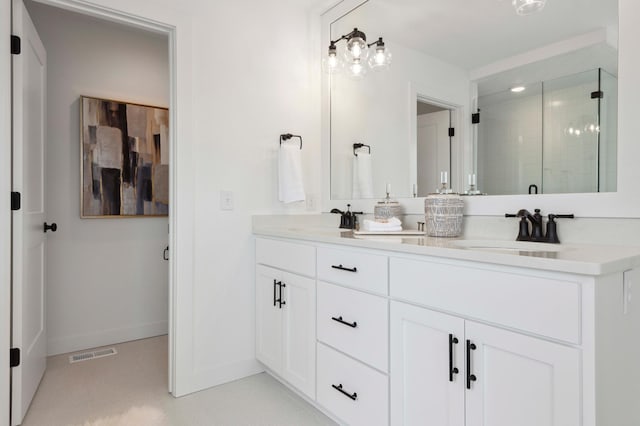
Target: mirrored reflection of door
433,147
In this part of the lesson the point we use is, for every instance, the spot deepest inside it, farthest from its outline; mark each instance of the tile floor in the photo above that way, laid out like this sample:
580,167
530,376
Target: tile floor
130,389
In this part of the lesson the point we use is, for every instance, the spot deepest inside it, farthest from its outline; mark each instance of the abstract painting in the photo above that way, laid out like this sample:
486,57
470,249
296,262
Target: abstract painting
124,159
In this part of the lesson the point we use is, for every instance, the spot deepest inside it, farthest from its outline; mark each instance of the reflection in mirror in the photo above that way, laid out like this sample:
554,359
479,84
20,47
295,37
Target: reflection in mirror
444,54
433,148
552,136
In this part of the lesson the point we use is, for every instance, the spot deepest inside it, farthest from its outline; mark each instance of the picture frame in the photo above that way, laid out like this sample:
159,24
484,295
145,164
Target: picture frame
124,159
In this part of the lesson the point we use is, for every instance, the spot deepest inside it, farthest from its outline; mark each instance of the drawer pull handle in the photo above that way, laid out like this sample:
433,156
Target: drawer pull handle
470,377
342,268
348,395
452,370
341,321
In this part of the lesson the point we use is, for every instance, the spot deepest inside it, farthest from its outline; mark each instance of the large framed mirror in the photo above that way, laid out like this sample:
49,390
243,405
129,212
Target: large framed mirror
465,56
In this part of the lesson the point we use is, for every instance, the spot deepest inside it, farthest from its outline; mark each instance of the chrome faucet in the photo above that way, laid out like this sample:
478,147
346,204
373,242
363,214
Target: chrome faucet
536,235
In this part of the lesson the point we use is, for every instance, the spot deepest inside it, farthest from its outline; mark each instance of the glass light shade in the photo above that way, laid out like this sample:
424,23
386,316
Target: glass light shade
356,69
356,49
380,59
332,64
527,7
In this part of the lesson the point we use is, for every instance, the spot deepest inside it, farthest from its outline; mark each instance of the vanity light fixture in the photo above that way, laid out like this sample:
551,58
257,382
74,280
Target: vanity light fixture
357,55
528,7
518,89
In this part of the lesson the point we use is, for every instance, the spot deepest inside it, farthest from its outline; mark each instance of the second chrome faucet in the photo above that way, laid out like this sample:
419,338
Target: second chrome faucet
536,234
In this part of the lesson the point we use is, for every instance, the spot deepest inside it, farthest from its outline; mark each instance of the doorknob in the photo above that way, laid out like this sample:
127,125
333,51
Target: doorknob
53,227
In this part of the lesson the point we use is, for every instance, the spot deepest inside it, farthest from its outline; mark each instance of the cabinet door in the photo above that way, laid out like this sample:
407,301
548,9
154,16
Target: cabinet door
268,318
521,380
422,391
299,311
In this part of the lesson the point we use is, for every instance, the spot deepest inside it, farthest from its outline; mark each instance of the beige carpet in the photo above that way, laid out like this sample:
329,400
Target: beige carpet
130,389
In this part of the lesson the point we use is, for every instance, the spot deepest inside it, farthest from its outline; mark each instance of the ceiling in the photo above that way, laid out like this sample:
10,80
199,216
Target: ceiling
474,33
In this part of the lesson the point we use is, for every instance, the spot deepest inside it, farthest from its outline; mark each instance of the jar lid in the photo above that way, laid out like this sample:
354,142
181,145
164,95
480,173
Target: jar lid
445,196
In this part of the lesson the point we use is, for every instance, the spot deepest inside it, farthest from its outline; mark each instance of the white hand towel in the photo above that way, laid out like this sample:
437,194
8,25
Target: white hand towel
362,176
392,225
290,184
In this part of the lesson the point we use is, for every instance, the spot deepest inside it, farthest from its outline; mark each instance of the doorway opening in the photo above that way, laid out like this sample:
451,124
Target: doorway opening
108,279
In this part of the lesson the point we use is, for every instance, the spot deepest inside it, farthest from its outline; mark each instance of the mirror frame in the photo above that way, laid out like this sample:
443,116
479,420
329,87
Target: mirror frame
625,203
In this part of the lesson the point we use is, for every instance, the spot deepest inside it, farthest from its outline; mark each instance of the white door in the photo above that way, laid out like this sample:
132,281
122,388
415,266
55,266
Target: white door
299,310
28,283
521,380
425,388
434,149
268,318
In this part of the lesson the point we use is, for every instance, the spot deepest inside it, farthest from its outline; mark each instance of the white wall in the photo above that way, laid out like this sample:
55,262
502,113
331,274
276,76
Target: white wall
106,279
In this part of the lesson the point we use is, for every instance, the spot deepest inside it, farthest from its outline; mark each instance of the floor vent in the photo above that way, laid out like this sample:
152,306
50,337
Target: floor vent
85,356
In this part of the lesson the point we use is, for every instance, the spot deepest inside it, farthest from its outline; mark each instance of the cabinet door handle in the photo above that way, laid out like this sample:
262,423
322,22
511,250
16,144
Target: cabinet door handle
452,370
342,268
470,377
342,391
341,321
280,301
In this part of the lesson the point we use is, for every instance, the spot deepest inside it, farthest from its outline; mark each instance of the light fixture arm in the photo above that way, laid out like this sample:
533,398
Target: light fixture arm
354,33
379,42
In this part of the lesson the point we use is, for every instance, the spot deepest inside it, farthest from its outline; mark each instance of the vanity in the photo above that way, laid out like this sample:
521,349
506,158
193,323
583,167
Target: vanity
415,331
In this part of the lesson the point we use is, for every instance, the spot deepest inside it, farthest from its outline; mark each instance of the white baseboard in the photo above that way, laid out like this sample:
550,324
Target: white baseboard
61,345
203,379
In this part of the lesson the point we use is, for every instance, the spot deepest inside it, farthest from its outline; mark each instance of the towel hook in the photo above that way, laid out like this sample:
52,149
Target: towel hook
358,146
287,136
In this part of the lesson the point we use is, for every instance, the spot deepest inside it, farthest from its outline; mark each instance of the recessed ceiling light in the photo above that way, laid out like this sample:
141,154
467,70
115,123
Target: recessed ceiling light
517,89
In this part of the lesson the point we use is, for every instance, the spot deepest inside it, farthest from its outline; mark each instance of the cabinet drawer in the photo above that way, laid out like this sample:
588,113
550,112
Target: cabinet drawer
370,389
546,306
360,270
368,340
298,258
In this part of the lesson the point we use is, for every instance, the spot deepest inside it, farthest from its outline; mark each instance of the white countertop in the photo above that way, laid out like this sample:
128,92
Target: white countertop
570,258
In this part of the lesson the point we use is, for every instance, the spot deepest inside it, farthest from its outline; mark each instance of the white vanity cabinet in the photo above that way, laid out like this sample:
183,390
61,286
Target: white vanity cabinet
411,339
520,350
286,316
453,372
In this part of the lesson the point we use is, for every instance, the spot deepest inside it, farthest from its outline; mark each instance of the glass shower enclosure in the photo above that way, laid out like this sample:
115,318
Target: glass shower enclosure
556,136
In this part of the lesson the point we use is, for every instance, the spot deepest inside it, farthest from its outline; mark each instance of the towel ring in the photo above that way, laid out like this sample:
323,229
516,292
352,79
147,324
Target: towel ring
358,146
287,136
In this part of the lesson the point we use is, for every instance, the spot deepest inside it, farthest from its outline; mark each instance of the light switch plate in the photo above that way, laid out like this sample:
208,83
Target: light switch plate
226,200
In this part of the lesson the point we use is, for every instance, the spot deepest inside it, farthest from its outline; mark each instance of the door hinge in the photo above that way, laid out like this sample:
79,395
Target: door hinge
14,357
599,94
452,132
16,43
475,118
15,200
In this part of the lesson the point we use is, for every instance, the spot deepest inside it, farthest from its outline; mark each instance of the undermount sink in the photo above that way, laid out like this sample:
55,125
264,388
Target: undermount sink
501,245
